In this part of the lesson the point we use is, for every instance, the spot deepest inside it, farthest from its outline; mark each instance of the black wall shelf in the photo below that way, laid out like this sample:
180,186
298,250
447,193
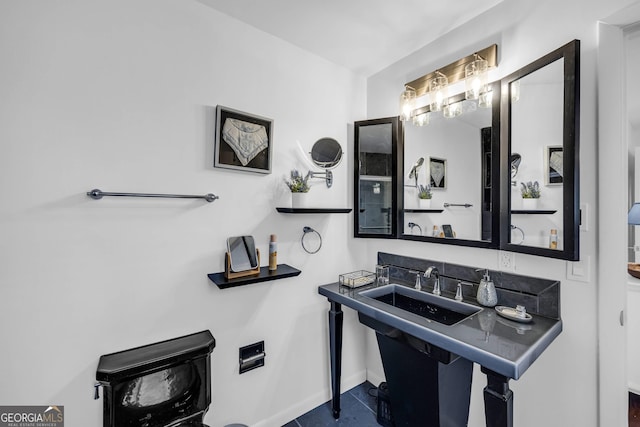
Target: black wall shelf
265,275
423,210
531,212
313,210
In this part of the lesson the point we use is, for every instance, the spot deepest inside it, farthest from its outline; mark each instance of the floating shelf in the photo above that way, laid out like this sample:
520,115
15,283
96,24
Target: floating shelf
424,210
313,210
532,212
265,275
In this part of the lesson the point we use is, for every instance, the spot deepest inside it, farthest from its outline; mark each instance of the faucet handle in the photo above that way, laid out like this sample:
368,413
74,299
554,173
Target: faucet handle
430,270
458,296
459,289
418,284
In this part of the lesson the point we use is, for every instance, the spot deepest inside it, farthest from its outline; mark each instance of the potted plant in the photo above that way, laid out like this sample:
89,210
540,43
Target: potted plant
299,187
424,196
530,194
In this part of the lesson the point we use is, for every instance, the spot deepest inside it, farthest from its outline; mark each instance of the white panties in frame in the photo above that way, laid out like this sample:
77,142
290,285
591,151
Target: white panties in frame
246,139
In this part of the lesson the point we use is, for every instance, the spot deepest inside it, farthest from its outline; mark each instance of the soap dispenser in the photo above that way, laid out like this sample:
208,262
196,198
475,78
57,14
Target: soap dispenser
487,291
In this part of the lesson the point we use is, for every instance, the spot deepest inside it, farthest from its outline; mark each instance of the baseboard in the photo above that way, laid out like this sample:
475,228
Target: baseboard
311,402
374,377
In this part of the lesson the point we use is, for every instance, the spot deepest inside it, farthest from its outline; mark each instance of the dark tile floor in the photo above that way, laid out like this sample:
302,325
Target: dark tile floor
358,409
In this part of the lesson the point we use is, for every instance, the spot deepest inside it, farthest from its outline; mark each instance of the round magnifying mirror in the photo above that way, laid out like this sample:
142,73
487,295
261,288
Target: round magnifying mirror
326,153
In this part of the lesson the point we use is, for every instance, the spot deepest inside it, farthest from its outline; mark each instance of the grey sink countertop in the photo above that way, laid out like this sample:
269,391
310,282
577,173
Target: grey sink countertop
501,345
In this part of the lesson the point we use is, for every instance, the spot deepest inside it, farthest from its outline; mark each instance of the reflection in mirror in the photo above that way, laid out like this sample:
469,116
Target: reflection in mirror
541,109
536,137
375,183
242,253
415,170
515,164
458,171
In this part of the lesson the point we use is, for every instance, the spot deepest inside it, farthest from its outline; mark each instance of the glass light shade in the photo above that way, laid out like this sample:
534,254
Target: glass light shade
634,214
421,119
438,92
476,78
407,103
485,99
452,110
514,90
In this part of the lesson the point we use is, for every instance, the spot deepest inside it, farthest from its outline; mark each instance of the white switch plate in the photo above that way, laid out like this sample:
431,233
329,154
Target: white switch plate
506,261
579,270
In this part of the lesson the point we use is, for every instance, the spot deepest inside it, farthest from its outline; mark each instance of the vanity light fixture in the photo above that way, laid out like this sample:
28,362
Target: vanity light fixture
452,110
476,76
422,119
485,99
407,103
438,91
472,68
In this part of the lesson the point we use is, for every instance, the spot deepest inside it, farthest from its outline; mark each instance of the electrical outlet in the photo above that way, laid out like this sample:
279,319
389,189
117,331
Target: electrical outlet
506,261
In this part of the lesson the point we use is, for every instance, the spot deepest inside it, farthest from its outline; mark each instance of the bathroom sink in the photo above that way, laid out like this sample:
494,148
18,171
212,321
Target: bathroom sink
439,309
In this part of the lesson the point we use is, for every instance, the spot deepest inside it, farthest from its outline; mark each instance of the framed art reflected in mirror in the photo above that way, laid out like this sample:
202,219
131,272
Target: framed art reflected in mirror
553,165
438,173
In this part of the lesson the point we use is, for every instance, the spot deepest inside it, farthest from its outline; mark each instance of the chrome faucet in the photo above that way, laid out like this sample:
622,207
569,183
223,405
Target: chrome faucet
418,285
436,286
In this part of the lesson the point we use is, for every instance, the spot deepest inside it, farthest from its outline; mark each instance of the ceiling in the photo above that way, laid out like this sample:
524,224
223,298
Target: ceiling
364,36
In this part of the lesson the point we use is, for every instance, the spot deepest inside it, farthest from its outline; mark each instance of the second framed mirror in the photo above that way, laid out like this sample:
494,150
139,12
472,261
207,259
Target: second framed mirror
540,104
451,173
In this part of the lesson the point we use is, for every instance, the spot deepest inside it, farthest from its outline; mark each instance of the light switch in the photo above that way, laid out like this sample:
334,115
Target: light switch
579,270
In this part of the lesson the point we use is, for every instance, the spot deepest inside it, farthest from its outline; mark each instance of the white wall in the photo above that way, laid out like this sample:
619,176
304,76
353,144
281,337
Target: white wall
120,95
561,387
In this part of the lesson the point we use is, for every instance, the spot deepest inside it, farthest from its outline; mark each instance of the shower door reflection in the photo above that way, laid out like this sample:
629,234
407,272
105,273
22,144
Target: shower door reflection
376,169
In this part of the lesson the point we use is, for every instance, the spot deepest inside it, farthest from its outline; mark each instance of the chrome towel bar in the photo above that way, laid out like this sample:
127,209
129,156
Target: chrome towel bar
97,194
464,205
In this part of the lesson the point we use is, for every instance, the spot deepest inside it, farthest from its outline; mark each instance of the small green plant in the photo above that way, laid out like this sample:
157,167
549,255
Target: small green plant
424,192
530,190
298,184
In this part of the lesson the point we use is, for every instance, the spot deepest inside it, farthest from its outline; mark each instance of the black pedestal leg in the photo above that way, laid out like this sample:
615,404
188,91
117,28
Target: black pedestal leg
498,400
335,348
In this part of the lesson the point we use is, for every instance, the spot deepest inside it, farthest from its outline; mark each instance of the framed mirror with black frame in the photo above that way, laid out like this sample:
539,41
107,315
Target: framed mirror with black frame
531,146
378,143
541,207
461,171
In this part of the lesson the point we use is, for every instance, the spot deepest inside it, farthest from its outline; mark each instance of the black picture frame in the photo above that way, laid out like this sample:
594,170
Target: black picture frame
553,156
437,173
243,141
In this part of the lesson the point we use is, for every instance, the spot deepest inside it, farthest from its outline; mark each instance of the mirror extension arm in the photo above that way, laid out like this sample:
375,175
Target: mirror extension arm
326,175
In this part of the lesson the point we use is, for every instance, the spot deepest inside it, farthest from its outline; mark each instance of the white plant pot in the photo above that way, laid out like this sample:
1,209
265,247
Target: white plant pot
424,203
300,200
529,204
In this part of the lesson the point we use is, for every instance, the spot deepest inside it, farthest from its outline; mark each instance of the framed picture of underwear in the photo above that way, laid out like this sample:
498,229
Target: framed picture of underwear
437,173
553,162
243,141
